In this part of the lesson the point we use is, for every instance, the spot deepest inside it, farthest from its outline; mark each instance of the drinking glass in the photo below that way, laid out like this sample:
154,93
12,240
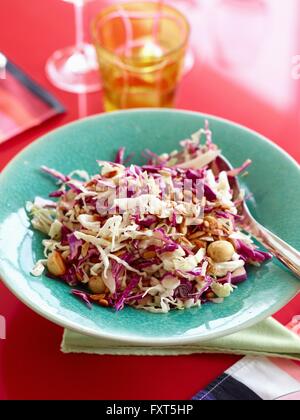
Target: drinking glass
141,49
75,69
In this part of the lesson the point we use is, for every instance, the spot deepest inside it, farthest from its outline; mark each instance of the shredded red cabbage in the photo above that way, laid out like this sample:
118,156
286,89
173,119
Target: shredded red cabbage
209,194
55,174
120,156
146,221
235,172
57,194
75,245
83,296
121,299
251,254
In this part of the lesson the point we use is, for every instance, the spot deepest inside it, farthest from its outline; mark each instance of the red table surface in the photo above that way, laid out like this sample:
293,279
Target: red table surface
246,78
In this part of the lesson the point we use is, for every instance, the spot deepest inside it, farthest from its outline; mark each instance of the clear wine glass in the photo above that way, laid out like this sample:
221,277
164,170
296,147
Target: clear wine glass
75,69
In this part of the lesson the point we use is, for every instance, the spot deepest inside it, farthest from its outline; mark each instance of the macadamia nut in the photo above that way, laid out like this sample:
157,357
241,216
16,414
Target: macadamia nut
221,251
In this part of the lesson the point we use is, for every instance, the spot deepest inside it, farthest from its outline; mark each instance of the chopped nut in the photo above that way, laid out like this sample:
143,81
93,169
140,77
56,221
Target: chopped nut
86,267
183,228
96,298
211,222
103,302
119,253
196,235
96,285
217,232
110,174
56,264
85,249
149,255
199,280
79,276
185,241
225,207
199,244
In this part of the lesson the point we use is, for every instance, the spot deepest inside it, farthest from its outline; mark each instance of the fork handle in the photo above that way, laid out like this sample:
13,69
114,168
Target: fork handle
285,253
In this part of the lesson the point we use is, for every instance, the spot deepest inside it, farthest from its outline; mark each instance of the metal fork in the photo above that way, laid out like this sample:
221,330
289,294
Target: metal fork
285,253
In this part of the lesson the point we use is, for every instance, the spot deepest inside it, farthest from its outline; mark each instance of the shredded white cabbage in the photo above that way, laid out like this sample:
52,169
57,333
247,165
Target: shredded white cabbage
222,290
202,160
87,221
221,269
55,230
39,268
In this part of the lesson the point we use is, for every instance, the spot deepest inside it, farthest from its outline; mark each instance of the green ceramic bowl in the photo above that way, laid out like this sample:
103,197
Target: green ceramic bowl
274,180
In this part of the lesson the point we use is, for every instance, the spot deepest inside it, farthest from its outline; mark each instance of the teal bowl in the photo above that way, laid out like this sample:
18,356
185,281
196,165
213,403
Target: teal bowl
274,180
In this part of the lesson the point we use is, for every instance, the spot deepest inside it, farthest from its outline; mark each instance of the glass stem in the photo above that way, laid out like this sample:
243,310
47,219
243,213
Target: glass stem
79,25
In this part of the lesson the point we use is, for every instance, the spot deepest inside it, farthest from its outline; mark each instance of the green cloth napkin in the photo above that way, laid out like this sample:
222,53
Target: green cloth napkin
268,338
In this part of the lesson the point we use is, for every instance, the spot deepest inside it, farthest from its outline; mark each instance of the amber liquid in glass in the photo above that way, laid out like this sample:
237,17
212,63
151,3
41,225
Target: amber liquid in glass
148,80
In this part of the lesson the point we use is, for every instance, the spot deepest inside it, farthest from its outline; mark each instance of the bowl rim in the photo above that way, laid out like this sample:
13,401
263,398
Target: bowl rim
135,339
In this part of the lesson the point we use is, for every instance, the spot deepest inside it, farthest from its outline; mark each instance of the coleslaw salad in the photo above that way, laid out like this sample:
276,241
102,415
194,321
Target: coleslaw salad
156,237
